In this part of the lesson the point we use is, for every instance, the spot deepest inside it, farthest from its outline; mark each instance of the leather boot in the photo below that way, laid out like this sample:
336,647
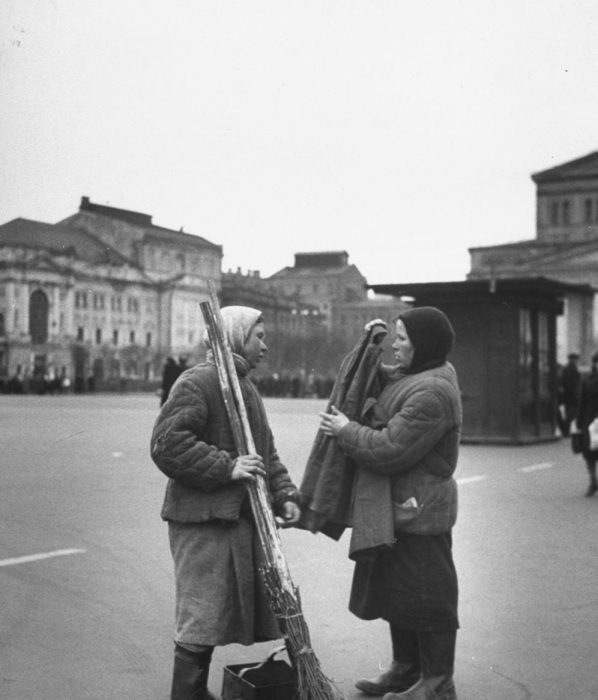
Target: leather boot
404,669
397,678
437,657
190,674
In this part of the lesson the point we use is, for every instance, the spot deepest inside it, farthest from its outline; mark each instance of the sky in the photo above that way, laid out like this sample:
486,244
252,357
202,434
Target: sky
402,132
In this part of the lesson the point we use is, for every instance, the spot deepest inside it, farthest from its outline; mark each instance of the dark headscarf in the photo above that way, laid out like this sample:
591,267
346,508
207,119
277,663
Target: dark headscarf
431,335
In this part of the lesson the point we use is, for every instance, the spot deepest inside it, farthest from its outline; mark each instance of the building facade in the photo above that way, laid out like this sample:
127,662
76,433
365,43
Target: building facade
338,290
297,336
323,280
565,249
99,298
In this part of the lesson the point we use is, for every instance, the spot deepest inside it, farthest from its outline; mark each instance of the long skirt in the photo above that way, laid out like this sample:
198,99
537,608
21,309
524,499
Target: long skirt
220,598
413,585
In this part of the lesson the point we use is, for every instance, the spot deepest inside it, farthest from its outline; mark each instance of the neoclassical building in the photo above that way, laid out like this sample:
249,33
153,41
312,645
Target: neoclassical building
336,288
565,249
100,297
103,296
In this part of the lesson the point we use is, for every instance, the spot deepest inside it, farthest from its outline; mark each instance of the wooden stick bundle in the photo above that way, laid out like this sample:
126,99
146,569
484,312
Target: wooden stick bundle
283,595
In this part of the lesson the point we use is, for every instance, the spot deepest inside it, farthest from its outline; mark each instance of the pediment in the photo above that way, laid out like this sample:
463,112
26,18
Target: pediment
43,262
577,256
579,168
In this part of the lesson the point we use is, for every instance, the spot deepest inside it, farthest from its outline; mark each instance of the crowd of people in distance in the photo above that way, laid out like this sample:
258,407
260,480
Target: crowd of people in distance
297,384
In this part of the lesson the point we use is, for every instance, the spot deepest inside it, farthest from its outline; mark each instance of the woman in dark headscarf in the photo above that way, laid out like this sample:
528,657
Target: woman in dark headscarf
412,436
220,598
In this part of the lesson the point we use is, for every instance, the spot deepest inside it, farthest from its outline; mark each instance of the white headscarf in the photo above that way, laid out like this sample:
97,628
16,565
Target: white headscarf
238,322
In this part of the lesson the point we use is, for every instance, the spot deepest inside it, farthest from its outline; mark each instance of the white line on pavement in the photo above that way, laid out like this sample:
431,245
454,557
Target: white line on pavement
471,479
537,467
38,557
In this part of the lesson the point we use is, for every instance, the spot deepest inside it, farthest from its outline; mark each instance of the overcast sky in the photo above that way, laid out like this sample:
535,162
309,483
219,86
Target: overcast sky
402,132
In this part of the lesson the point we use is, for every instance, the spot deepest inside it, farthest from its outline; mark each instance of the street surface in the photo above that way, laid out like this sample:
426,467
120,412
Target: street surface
86,587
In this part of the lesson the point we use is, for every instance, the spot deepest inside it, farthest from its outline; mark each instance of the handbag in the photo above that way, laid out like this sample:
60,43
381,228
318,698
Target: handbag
269,680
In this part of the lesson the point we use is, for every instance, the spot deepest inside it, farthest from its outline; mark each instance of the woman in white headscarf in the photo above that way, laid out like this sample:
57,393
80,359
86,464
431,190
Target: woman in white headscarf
219,595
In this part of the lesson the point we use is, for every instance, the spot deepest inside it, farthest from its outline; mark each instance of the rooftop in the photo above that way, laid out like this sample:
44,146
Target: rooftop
62,240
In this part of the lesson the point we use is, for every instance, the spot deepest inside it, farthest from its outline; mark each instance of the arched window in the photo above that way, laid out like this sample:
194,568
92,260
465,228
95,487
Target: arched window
38,317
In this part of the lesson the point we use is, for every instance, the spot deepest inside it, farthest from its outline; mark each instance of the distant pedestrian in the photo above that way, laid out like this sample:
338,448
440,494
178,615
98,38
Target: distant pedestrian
170,374
586,414
569,388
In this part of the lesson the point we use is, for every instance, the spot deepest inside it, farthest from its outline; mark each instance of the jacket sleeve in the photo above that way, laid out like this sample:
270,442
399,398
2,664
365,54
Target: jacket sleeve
409,435
176,444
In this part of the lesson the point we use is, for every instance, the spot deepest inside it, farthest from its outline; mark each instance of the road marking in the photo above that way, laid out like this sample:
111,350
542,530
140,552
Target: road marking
537,467
471,479
39,557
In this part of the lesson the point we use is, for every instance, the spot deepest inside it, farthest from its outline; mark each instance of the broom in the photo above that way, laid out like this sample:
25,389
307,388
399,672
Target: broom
283,596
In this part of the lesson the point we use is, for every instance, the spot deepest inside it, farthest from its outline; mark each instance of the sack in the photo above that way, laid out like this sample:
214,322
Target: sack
576,443
593,435
268,680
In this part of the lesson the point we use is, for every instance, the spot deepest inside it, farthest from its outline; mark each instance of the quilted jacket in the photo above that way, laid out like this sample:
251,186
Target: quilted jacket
413,436
193,445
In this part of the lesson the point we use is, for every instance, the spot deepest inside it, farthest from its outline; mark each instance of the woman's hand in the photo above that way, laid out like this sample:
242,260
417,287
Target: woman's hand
246,467
331,423
290,514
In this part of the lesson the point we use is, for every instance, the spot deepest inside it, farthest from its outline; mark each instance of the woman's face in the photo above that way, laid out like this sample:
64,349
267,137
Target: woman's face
402,346
255,347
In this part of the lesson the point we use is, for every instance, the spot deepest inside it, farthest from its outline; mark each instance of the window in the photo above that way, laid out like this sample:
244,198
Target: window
566,212
116,303
132,337
115,337
588,210
132,304
98,336
81,300
554,213
38,317
2,330
98,301
148,340
80,334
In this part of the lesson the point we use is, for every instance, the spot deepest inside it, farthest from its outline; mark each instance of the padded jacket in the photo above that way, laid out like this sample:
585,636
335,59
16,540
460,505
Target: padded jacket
192,444
412,436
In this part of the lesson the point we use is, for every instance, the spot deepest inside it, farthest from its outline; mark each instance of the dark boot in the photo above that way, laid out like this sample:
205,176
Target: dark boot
437,653
190,674
404,668
437,657
438,688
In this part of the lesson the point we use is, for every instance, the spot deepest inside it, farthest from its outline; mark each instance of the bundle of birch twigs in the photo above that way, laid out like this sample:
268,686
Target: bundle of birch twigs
283,596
